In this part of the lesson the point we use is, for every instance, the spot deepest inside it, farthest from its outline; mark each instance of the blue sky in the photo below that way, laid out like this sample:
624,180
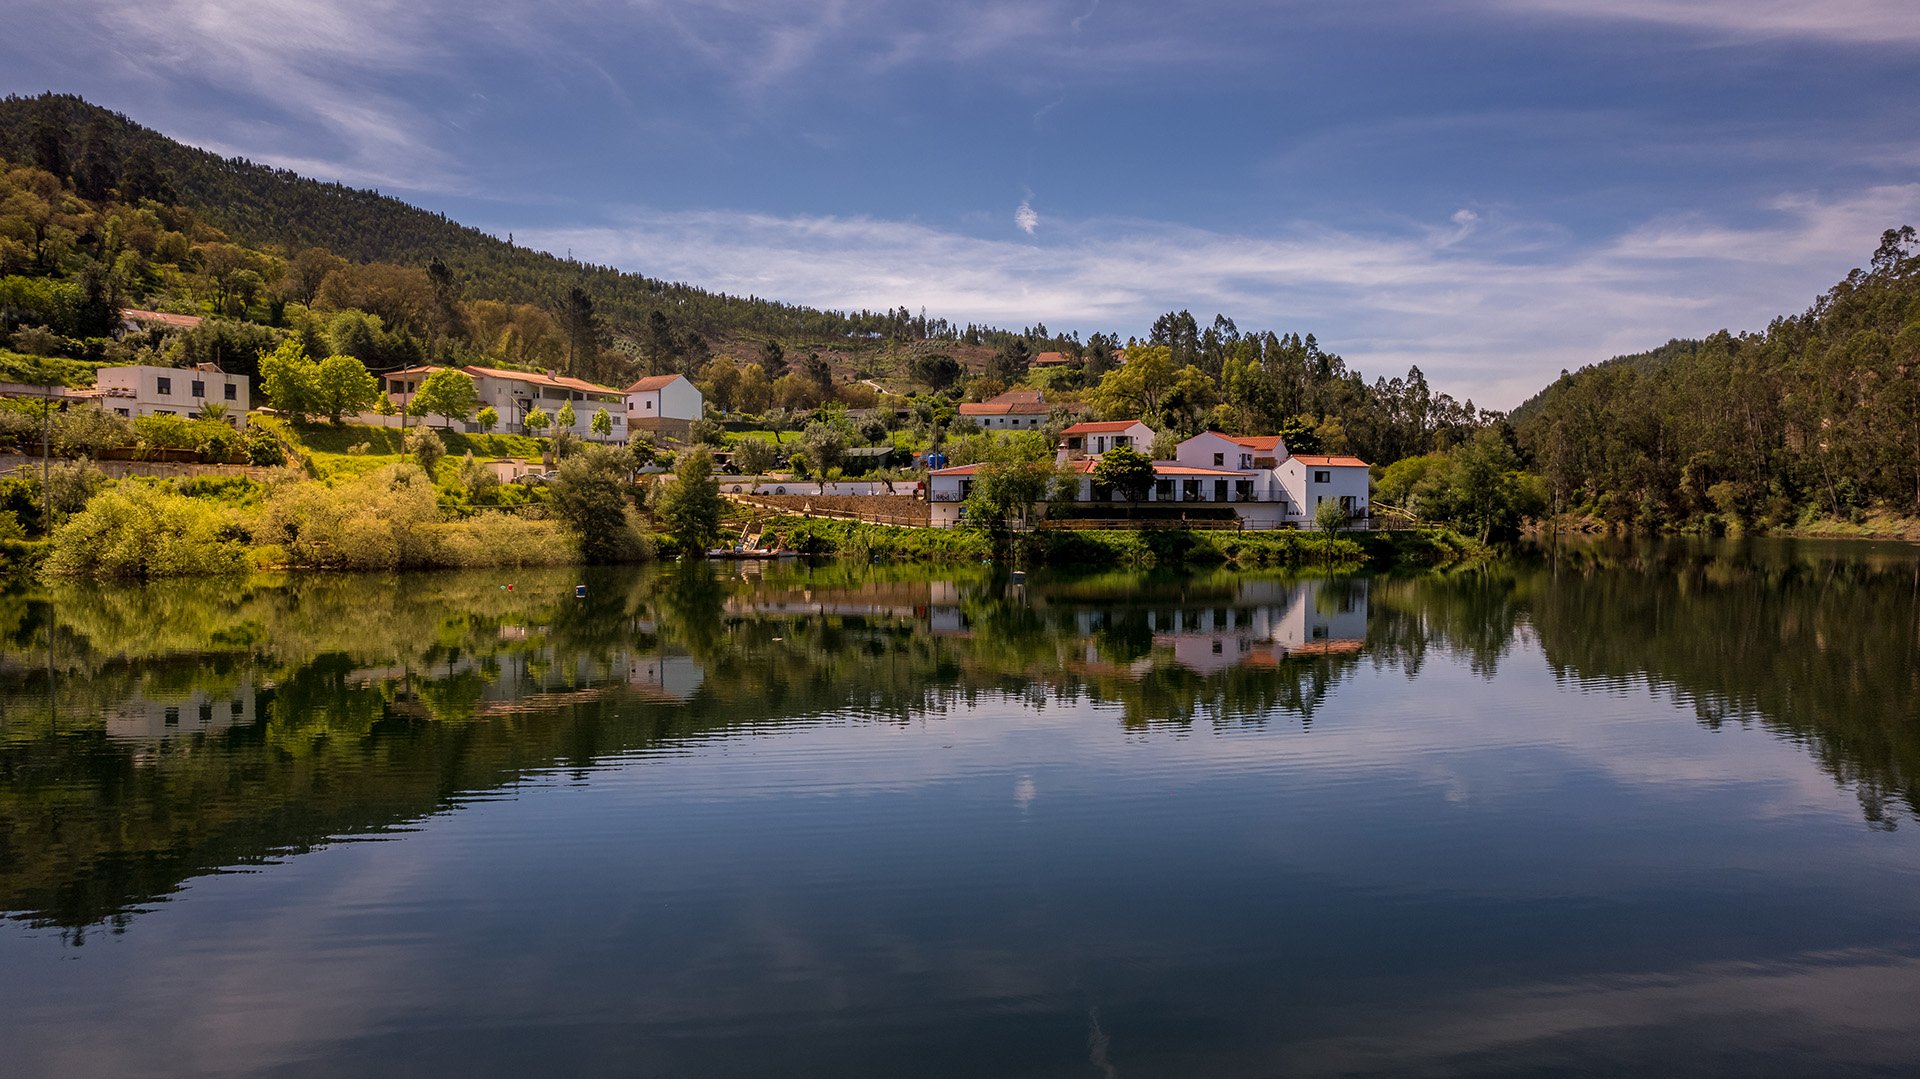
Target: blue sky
1492,189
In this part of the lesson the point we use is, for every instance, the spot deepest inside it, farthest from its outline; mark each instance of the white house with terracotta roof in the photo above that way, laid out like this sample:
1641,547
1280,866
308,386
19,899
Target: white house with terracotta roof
664,404
1095,437
1015,410
514,394
1310,479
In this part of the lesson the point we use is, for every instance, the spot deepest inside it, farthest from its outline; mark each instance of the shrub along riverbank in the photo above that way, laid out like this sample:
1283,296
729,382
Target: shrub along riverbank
1432,547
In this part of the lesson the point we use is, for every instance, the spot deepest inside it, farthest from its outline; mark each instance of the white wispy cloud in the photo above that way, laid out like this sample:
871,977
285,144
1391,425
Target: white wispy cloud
1854,21
1482,304
1025,218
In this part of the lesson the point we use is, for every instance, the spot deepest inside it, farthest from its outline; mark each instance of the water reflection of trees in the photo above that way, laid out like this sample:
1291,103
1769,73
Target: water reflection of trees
1816,642
325,706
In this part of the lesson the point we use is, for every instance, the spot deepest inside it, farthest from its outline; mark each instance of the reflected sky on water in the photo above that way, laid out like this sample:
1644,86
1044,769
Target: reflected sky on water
1619,809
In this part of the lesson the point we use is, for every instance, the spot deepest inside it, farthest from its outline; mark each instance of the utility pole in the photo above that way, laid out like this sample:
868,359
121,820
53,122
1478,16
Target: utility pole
46,457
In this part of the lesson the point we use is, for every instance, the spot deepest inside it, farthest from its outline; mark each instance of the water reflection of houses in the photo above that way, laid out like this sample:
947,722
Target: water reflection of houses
1256,623
140,718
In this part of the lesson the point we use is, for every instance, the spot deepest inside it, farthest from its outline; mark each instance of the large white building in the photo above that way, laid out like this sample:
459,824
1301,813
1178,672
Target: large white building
145,390
515,394
1266,486
664,405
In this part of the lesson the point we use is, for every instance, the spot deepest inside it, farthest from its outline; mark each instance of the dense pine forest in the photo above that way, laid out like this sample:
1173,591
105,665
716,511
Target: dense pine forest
1819,415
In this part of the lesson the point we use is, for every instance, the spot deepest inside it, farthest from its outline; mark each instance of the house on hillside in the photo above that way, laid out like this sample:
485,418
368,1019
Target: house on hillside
1015,410
145,390
514,394
1310,479
1212,476
664,405
1093,438
1047,360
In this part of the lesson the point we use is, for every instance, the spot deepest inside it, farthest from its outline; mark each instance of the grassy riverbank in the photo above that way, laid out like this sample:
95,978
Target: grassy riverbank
1436,547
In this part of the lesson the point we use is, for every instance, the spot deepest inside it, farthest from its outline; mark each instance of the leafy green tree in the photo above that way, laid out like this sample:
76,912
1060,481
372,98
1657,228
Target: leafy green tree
1126,471
1329,516
938,371
288,378
754,456
427,448
488,418
342,384
602,423
536,420
448,393
592,495
691,506
826,442
565,418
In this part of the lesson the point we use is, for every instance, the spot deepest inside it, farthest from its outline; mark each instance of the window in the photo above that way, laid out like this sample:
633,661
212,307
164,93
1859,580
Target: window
233,392
166,387
206,713
1322,477
1219,459
121,411
1216,648
199,388
171,716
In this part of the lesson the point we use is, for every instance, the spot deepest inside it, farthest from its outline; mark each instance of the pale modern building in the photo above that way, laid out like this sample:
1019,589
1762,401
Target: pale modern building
145,390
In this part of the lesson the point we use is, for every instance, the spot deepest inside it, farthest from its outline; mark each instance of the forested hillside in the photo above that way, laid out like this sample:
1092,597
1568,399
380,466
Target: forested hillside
1819,414
105,153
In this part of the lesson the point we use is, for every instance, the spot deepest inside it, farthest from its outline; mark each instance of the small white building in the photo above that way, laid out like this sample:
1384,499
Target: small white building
1015,410
664,405
1310,479
146,390
1093,438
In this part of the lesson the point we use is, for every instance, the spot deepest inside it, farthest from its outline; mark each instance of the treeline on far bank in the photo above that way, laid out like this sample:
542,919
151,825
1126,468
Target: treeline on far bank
1817,417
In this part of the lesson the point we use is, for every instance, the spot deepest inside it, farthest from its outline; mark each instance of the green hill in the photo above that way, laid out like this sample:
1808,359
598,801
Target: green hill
106,153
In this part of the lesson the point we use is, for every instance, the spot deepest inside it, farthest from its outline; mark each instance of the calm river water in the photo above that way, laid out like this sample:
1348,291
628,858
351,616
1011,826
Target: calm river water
1643,810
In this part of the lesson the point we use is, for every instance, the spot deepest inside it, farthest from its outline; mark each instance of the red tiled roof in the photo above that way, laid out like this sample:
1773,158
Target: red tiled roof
1052,359
1260,443
1325,462
1100,427
165,318
652,382
562,381
957,470
1011,403
424,369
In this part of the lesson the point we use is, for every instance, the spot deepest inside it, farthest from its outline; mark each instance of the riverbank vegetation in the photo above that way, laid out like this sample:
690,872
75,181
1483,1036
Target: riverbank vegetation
1137,549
